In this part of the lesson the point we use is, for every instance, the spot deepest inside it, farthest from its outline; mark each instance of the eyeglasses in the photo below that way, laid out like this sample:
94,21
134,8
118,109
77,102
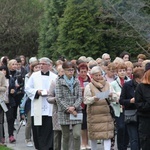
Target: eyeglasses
42,64
70,70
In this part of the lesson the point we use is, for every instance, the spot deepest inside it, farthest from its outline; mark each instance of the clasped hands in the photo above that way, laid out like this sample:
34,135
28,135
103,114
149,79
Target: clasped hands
72,110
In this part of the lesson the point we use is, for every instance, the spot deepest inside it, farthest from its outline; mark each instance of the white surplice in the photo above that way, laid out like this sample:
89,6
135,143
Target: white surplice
39,107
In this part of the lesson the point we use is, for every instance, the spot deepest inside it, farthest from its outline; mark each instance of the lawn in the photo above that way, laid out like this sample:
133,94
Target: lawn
4,148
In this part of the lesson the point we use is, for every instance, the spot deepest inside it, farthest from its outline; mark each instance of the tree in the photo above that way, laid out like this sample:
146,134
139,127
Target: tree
78,29
86,27
135,15
53,11
19,27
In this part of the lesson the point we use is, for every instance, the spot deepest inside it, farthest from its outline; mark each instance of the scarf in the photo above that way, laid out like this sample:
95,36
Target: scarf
121,82
69,82
100,84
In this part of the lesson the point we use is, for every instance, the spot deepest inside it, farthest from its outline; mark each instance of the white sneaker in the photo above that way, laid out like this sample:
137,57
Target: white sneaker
24,123
29,144
16,122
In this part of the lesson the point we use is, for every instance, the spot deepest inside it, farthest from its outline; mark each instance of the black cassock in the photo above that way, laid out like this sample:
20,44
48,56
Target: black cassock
43,135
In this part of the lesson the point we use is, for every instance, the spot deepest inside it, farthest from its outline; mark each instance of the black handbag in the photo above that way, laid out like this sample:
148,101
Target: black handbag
130,116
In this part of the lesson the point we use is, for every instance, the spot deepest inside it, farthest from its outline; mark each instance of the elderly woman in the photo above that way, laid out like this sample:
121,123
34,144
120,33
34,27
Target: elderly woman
99,120
69,98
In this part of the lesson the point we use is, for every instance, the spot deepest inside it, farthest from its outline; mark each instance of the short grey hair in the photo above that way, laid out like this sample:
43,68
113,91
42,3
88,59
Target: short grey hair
104,55
45,59
96,69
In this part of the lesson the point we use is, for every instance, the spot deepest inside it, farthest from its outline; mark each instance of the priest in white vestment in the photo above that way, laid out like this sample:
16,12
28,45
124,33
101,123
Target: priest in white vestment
37,89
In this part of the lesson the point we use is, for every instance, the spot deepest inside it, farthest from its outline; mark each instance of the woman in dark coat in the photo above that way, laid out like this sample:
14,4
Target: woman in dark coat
128,101
142,101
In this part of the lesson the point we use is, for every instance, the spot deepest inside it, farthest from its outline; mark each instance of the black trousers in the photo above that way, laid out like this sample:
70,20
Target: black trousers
144,132
43,135
10,120
1,123
18,102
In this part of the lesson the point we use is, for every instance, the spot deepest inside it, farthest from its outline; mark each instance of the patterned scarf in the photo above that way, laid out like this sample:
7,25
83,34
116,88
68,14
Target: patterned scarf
69,82
100,84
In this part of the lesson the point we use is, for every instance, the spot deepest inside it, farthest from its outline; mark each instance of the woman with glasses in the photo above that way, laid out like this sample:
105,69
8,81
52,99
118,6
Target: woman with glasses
69,98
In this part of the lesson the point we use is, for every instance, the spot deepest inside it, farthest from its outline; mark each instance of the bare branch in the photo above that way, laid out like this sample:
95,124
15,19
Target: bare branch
143,49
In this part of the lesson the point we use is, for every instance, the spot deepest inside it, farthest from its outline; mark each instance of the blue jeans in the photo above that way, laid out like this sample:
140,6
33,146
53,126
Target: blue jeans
133,135
122,134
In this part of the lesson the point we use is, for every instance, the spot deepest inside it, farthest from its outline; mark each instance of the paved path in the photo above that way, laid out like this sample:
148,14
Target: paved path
20,140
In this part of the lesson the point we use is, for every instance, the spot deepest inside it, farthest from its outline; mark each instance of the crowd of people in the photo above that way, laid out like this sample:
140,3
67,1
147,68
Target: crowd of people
87,100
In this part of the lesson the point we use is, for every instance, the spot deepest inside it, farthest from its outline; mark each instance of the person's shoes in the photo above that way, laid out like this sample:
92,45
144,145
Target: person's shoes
15,123
99,142
3,140
83,148
88,147
29,144
23,122
12,139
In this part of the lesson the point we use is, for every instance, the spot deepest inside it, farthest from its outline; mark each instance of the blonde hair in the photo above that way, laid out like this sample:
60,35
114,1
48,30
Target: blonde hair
144,63
11,62
118,60
111,66
129,64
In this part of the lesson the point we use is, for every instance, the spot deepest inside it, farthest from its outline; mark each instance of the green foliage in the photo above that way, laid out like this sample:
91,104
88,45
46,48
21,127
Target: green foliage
85,27
19,21
78,30
53,11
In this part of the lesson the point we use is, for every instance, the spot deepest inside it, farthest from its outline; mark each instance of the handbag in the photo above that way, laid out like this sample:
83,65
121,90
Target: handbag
130,116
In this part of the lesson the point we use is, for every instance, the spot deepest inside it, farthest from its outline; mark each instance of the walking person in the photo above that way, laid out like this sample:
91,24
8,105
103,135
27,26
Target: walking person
26,109
84,80
99,120
3,88
52,100
12,66
37,89
142,102
69,98
127,99
19,83
116,87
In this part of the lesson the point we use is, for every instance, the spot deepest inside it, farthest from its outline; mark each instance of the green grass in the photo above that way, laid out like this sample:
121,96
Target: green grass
4,148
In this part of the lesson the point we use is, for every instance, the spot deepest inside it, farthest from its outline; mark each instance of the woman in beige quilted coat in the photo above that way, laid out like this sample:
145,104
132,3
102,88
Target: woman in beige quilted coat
99,120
